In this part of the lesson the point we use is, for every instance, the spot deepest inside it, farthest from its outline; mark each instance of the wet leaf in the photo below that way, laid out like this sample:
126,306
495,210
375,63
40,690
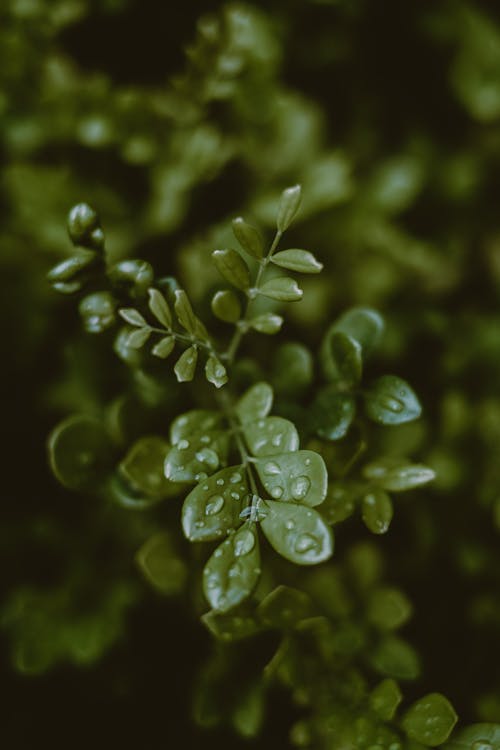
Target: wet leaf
185,366
269,323
233,626
80,452
213,507
282,288
390,400
143,468
133,317
341,500
248,237
194,458
271,435
377,511
430,720
232,267
161,565
297,533
301,261
255,403
226,306
284,607
233,570
215,372
159,308
346,359
362,324
164,347
299,477
193,422
397,475
385,699
288,207
332,413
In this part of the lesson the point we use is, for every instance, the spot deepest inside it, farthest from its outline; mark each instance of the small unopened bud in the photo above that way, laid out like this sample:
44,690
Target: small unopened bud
84,227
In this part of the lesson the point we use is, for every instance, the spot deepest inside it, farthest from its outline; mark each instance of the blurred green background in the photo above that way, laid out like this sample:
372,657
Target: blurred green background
388,114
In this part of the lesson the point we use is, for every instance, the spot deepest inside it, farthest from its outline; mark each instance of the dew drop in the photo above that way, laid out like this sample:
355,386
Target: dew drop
205,439
392,404
307,462
300,487
218,552
220,481
183,444
235,478
199,524
205,487
271,468
235,496
276,441
277,492
244,543
480,745
234,570
306,543
290,525
215,505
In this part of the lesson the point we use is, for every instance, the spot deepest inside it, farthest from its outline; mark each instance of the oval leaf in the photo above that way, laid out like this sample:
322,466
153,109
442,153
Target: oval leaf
332,413
185,366
215,372
297,260
186,316
80,452
196,457
214,506
248,237
385,699
282,288
138,338
233,570
143,468
299,477
159,308
390,400
133,317
164,347
192,423
256,403
396,475
272,435
232,267
430,720
226,306
288,207
395,658
377,511
161,565
297,533
266,323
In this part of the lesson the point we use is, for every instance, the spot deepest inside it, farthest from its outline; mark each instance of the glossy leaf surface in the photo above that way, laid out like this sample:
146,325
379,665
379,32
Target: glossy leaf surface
297,533
299,477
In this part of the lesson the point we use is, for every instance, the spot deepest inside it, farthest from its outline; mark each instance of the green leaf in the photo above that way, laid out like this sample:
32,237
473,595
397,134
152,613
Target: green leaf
84,225
185,366
266,323
195,458
248,237
75,269
388,608
233,570
164,347
138,338
80,452
161,565
292,368
143,468
297,533
186,316
271,435
377,511
294,477
232,267
248,715
346,359
288,207
430,720
395,658
133,317
226,306
213,507
332,413
159,308
397,475
362,324
215,372
385,699
297,260
98,312
255,403
341,500
132,277
390,400
193,422
284,607
233,626
282,288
